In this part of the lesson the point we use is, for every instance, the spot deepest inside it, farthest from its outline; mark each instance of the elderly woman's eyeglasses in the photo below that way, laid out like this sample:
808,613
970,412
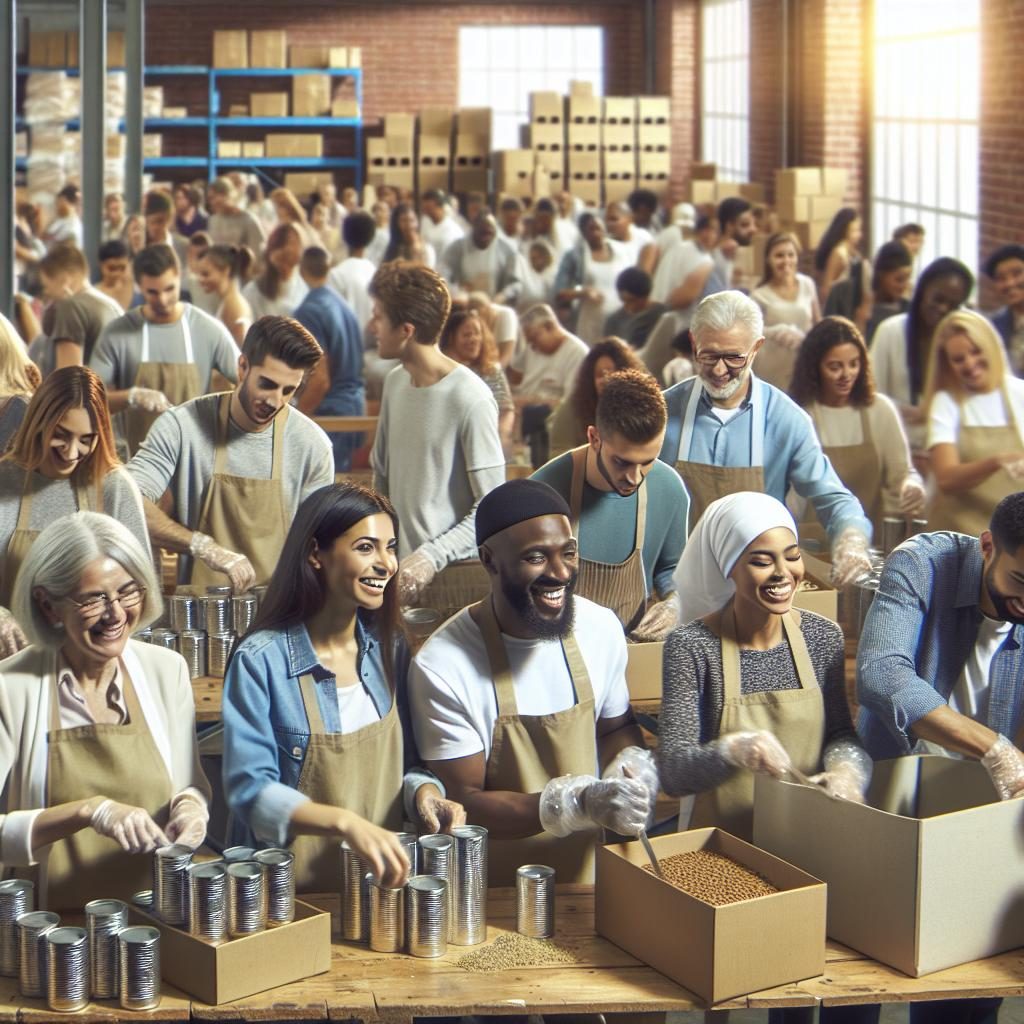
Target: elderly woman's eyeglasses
94,606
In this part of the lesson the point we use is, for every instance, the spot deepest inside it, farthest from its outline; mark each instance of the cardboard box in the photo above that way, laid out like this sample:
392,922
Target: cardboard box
469,179
53,52
618,189
583,138
337,57
437,122
242,967
808,233
152,101
342,107
269,104
584,110
585,166
355,56
825,207
238,110
311,95
797,181
926,876
618,138
38,48
435,148
793,208
400,125
655,138
726,190
512,165
655,163
472,145
305,183
580,89
703,172
547,108
589,192
715,952
268,48
152,145
475,121
228,149
231,48
547,138
652,110
620,110
433,177
833,181
619,165
753,191
288,144
175,112
253,150
701,192
115,50
466,161
305,56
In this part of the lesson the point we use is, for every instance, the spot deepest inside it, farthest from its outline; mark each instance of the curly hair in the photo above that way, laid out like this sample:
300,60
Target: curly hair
486,361
584,392
631,406
825,335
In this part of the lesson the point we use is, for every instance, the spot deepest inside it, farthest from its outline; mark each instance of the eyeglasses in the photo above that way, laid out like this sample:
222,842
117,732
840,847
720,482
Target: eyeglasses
734,360
96,605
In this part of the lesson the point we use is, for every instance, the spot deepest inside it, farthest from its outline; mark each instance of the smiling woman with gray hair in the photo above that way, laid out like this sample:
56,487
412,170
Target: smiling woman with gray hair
97,731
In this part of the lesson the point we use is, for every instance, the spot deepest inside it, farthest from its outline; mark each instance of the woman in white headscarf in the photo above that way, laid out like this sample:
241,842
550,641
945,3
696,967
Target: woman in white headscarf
749,684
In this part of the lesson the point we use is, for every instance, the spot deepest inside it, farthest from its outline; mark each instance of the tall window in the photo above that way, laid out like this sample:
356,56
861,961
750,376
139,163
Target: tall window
925,133
725,87
499,66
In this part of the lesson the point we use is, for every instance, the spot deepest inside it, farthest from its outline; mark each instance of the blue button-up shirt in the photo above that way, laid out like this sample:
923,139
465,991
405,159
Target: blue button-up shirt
919,633
266,731
792,452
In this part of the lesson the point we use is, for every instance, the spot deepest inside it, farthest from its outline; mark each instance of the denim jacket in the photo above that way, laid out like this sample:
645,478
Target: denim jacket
266,731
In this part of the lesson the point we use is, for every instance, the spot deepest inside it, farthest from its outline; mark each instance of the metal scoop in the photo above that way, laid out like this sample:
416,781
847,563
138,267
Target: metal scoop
649,850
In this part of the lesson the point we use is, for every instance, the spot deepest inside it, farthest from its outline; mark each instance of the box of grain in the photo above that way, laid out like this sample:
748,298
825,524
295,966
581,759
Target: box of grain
269,104
268,48
231,49
289,144
928,874
717,952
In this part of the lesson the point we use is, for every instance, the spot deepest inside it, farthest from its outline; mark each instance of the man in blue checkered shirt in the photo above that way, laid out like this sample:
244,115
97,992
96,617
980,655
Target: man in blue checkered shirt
941,657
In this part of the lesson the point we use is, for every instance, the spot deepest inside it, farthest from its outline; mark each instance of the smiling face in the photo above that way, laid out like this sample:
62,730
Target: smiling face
1003,579
604,367
723,360
594,234
1009,282
211,277
161,294
782,261
941,296
838,371
767,574
73,440
286,257
468,340
264,390
360,563
969,363
892,284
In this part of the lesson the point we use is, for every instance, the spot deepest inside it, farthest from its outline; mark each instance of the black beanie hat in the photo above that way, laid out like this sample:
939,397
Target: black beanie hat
515,502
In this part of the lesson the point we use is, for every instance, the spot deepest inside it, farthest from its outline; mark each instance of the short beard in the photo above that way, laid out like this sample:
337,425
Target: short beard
730,389
541,627
1000,604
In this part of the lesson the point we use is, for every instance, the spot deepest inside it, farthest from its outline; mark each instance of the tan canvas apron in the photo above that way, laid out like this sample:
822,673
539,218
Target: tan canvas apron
795,717
178,381
23,537
121,762
243,513
706,483
970,511
361,771
528,751
621,587
860,469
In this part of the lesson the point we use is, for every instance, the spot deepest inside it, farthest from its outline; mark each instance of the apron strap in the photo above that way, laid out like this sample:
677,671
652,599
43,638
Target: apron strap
131,699
186,336
689,417
577,669
579,475
497,656
730,654
798,648
312,705
278,457
641,516
758,402
25,508
865,426
144,347
220,444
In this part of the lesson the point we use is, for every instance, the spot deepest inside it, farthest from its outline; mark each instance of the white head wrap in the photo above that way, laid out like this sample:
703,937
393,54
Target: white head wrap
723,533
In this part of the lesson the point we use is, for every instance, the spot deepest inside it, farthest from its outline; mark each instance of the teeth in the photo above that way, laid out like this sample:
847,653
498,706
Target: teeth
553,595
375,583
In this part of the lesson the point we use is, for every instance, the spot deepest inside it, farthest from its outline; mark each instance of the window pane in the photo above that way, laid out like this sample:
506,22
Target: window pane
725,75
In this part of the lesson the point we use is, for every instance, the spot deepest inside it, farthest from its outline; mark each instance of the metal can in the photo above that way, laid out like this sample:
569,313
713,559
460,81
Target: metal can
279,883
354,896
139,956
218,652
103,920
243,612
32,929
208,901
170,883
184,612
437,858
387,919
469,885
192,647
67,969
426,916
17,897
247,910
165,638
535,901
235,854
217,613
410,843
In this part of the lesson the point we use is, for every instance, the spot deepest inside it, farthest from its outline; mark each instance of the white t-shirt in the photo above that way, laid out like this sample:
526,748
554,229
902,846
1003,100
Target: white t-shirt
440,236
549,377
984,410
351,280
669,238
632,246
356,708
288,300
506,324
674,267
970,695
452,693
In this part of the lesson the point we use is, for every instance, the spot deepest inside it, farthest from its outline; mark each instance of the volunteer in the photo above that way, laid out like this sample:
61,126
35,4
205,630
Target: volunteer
19,378
115,279
1005,269
97,731
278,289
325,664
289,211
158,210
520,701
437,225
221,269
62,459
352,276
405,242
483,262
749,685
860,430
636,317
836,257
618,219
729,432
238,464
228,223
162,353
628,508
975,415
567,425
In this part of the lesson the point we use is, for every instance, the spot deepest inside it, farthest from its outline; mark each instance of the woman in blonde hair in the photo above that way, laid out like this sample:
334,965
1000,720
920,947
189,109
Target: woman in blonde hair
61,460
278,289
19,377
290,211
975,416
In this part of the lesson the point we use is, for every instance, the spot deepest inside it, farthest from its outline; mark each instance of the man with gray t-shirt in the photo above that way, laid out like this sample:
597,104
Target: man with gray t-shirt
237,465
161,354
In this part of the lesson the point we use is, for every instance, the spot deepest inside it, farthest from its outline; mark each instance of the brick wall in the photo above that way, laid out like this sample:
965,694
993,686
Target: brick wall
766,90
677,68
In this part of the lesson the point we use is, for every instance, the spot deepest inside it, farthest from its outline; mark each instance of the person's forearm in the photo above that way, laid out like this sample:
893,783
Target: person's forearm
460,541
64,820
611,743
956,477
648,261
67,353
164,532
118,400
955,732
689,291
313,819
505,815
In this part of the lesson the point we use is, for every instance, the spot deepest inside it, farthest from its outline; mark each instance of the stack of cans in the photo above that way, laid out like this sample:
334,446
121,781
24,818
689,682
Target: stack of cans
387,918
208,892
139,975
437,858
279,882
192,647
216,606
426,916
247,909
170,883
535,901
218,653
243,612
469,886
354,896
104,919
164,638
17,897
32,929
410,843
183,612
67,969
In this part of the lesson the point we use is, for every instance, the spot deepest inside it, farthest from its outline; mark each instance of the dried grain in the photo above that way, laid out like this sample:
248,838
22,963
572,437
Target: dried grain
511,949
713,877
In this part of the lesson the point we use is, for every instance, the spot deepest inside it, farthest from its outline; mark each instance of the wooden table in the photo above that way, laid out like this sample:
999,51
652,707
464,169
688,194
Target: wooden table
393,988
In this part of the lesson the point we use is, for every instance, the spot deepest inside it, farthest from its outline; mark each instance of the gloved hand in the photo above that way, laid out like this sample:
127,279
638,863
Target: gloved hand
131,827
414,575
1015,467
12,639
148,399
237,567
1005,766
912,496
189,817
635,763
756,751
576,803
658,621
850,558
437,813
847,771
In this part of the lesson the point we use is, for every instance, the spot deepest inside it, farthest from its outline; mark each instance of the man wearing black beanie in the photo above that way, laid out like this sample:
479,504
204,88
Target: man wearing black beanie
520,701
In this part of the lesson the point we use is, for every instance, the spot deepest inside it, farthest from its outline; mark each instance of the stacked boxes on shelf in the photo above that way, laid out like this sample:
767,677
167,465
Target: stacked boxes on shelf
472,144
514,175
546,136
389,160
807,198
434,162
583,141
707,190
654,142
618,147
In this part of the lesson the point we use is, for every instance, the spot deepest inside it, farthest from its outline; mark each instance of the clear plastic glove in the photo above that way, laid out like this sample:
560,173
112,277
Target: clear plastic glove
561,805
658,621
414,575
847,773
1005,766
148,400
130,827
189,817
235,566
621,804
756,751
912,495
12,639
437,813
1015,467
850,558
635,763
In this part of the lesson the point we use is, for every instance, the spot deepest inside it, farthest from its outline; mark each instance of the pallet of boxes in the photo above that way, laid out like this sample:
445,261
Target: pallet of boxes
806,200
545,137
583,142
618,147
434,150
389,159
472,146
654,143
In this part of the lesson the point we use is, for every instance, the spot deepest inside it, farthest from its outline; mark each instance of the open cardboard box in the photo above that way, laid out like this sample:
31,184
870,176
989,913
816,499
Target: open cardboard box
241,967
715,952
643,670
929,874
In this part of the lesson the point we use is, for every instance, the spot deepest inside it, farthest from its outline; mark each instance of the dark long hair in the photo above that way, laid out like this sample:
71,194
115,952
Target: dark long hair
584,393
398,248
945,266
834,234
826,334
269,280
296,590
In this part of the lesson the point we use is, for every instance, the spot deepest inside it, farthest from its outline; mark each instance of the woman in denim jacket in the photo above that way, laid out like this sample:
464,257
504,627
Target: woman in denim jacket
317,742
